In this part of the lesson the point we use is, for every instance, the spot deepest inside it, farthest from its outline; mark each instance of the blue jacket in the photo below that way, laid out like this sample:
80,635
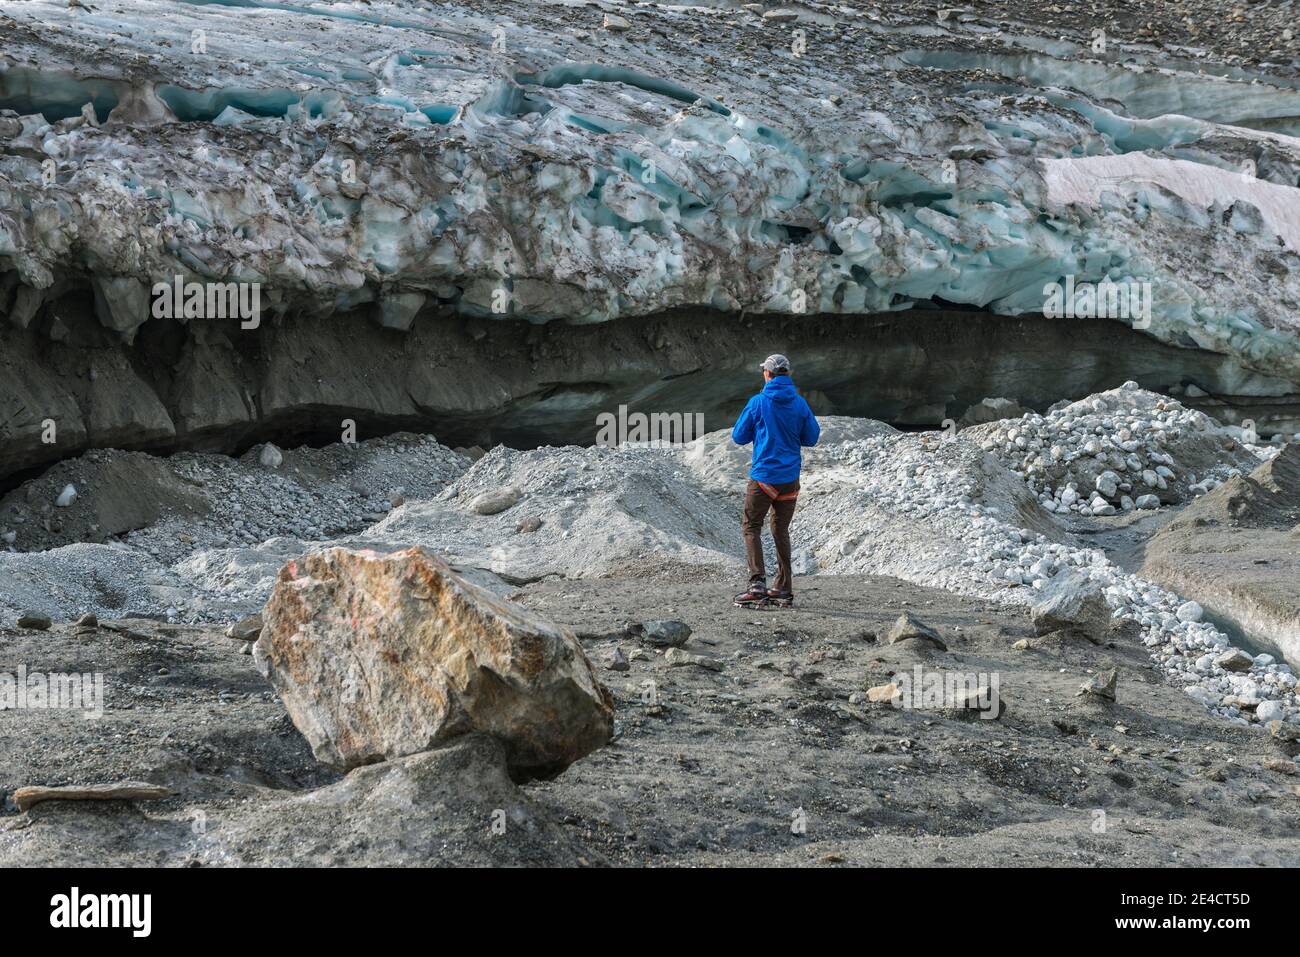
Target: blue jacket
778,422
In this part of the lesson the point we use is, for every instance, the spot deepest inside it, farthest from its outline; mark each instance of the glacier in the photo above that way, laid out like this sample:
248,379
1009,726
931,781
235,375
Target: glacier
391,162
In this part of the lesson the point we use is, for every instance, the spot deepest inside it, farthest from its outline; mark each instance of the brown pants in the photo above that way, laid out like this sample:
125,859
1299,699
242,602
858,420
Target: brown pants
757,504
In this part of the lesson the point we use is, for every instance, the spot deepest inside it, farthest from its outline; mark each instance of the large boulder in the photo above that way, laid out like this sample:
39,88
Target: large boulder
379,656
1072,602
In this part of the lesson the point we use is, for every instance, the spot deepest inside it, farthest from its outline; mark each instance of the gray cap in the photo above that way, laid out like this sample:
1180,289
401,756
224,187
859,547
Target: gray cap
776,363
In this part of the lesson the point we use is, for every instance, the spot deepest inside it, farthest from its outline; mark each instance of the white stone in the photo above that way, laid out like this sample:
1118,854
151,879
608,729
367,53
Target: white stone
1269,711
270,457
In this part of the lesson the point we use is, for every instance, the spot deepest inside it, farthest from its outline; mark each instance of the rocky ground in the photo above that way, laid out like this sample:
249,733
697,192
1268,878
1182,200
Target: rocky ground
768,752
473,229
758,740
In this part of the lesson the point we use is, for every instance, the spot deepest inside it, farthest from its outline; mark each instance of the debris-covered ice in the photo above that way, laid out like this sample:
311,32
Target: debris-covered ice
1119,450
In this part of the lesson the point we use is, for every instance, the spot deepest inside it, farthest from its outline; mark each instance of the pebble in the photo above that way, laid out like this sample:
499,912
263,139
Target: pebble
1101,685
1235,660
677,658
498,500
1269,711
662,633
618,661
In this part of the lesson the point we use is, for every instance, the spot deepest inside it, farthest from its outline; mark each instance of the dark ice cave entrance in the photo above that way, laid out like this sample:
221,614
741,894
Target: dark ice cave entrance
482,381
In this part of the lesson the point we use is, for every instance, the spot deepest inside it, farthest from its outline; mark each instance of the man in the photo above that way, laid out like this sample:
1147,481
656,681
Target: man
779,423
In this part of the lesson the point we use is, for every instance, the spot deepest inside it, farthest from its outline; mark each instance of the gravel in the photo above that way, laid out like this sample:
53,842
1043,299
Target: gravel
958,512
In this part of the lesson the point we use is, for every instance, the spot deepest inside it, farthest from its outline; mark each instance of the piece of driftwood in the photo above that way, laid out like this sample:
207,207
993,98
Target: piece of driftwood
121,791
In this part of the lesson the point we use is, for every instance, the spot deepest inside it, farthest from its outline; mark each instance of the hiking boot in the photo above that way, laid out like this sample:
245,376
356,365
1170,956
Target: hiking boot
756,594
783,598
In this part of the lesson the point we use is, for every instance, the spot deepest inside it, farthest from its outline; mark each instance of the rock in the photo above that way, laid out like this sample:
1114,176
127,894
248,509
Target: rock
1101,685
88,620
1267,711
1021,645
618,661
378,656
246,648
678,657
1235,660
35,620
662,632
246,629
26,797
1282,731
782,15
910,628
1074,602
66,497
991,410
882,694
498,500
270,457
985,704
1147,501
530,524
615,23
1280,765
1189,611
